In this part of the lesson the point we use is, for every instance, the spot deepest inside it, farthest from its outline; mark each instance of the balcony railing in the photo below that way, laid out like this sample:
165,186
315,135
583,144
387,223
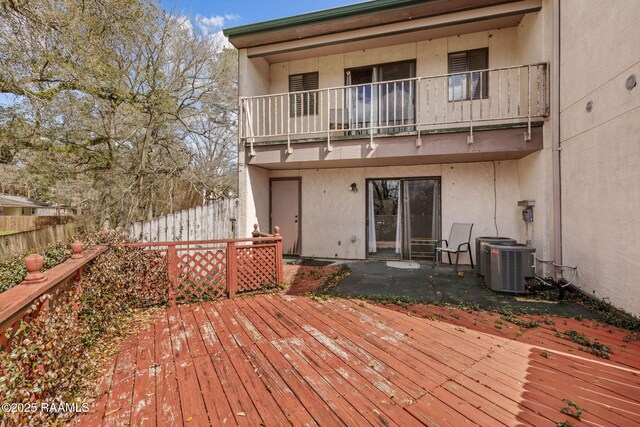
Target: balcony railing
410,106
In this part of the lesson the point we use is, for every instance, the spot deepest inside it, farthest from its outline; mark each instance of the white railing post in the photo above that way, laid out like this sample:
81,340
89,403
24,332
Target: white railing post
442,107
527,136
288,116
250,136
417,118
372,145
329,148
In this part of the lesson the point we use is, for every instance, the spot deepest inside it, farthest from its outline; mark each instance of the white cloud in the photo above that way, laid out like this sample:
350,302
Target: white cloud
184,23
212,24
208,27
231,17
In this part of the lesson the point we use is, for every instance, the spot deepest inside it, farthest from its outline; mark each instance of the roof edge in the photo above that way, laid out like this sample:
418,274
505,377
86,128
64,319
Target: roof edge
321,15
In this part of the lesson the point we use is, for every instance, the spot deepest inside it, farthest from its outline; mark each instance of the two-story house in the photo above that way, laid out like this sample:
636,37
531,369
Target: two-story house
366,131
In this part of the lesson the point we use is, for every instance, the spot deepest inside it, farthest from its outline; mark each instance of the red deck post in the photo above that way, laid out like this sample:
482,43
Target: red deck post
172,276
232,269
279,268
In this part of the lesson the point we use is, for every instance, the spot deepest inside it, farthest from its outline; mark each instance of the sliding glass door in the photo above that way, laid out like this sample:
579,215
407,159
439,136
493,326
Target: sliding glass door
380,98
403,218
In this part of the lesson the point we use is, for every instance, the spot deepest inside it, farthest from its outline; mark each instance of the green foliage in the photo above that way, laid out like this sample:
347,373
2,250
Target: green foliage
331,281
593,347
47,364
572,409
522,323
13,271
56,358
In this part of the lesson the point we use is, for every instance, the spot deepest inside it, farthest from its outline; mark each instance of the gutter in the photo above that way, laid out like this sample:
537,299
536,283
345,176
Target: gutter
555,119
321,16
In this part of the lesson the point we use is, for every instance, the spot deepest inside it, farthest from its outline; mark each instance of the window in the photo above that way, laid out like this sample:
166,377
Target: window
468,84
303,104
392,103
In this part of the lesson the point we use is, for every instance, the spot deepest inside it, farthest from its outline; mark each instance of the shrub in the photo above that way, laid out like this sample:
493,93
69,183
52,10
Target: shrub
53,358
13,271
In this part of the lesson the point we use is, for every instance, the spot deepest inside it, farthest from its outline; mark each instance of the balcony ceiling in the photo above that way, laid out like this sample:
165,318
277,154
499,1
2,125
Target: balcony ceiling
411,22
291,54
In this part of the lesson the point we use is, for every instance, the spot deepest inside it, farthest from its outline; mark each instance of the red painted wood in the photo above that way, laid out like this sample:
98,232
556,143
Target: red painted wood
193,408
167,397
276,360
215,400
172,274
144,393
322,349
120,400
232,270
192,334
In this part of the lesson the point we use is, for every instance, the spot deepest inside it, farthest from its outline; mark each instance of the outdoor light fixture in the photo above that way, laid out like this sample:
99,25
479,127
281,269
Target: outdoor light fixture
353,187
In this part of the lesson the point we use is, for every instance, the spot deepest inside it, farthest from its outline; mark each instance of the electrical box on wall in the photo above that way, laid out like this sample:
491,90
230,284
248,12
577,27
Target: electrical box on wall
527,212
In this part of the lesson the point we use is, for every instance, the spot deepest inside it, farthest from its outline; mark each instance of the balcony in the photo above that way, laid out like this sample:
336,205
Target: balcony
374,114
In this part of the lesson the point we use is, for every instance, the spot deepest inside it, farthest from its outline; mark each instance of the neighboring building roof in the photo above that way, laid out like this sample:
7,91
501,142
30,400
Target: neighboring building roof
343,18
20,202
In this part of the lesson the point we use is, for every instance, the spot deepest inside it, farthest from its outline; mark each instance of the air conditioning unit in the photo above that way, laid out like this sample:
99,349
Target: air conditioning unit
481,259
508,266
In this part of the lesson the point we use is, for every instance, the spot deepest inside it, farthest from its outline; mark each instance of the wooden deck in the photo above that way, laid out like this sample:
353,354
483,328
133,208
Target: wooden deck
278,360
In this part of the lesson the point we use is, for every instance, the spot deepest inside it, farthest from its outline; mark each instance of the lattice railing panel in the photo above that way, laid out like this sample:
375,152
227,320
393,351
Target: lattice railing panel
152,277
257,267
201,275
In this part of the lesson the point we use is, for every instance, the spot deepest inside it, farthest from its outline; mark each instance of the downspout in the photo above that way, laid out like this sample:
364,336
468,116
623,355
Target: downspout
555,123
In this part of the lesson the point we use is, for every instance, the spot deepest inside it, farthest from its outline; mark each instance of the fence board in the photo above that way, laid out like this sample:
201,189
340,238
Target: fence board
19,242
208,222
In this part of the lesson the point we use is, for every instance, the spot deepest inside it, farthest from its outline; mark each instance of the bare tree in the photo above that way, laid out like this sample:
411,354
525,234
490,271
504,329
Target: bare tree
125,108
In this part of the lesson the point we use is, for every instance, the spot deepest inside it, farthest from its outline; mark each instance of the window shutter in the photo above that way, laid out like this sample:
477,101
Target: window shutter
475,85
457,62
303,103
477,59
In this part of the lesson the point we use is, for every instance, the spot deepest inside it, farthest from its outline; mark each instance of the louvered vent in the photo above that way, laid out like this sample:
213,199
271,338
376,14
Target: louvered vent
511,273
508,265
302,104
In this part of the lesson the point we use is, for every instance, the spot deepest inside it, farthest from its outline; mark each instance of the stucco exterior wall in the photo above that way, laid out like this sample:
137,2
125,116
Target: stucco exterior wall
535,44
430,56
331,213
255,194
600,149
253,79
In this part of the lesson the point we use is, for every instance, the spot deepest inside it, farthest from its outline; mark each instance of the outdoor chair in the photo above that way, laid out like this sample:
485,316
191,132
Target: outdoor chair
458,243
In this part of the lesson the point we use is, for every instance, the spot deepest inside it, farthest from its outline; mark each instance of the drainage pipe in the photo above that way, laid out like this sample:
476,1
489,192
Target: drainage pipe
555,123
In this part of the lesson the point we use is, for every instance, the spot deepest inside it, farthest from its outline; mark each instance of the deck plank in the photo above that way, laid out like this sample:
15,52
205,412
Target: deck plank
144,397
282,360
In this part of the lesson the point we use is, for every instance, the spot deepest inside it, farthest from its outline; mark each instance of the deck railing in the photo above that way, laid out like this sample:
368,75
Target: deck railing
415,105
209,269
40,292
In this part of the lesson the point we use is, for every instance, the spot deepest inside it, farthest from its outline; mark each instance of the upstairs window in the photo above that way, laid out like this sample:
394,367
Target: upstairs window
305,103
468,84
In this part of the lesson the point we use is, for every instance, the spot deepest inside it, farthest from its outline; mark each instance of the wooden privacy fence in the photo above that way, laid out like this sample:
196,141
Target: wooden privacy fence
28,240
28,223
210,269
215,220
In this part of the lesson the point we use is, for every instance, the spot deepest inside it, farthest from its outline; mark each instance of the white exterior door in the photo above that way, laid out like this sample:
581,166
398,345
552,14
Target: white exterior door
285,212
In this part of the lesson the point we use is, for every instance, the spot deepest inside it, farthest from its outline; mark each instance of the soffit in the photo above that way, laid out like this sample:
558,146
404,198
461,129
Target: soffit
321,23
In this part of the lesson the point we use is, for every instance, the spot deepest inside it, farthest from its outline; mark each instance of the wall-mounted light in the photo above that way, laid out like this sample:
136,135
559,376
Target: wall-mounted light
353,187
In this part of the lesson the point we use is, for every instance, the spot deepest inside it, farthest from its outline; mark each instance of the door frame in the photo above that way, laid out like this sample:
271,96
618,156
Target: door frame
271,225
366,204
377,82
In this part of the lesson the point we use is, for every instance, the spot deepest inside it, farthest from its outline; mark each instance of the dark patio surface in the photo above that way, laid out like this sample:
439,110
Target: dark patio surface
440,285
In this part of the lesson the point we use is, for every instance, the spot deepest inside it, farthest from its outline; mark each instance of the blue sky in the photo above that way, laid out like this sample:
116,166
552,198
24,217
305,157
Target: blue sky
230,13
